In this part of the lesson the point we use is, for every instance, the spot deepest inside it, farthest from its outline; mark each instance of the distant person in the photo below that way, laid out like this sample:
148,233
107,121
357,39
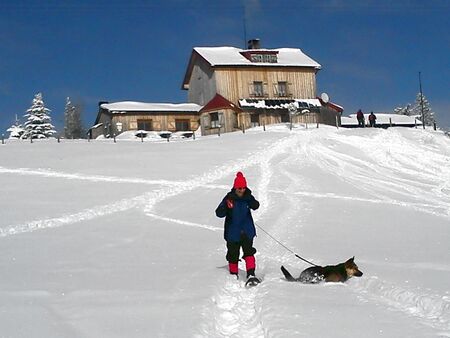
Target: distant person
240,230
372,119
360,118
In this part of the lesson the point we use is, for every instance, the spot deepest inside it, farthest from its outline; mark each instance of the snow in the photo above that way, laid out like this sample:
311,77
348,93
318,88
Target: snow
383,119
96,126
15,131
126,106
261,103
231,56
150,136
104,239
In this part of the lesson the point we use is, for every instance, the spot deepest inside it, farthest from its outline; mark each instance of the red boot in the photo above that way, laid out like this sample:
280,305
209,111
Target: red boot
250,265
234,268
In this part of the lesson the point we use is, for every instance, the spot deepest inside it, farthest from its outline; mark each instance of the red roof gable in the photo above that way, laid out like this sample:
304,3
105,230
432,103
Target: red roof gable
219,102
331,105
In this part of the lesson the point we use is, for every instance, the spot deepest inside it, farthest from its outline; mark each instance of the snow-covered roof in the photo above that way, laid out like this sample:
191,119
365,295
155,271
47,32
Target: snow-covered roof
278,103
128,106
96,126
231,56
383,119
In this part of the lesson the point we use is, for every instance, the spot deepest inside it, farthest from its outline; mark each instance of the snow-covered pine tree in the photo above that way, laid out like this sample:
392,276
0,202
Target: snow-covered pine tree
406,110
73,126
428,114
16,130
38,123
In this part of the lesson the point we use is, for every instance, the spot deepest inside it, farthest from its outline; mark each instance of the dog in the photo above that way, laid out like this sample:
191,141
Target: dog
331,273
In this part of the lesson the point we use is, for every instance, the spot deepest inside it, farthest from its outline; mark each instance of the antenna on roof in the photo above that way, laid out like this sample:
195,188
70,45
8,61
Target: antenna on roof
245,24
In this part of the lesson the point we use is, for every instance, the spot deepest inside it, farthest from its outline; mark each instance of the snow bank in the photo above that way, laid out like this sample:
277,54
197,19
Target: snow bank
384,119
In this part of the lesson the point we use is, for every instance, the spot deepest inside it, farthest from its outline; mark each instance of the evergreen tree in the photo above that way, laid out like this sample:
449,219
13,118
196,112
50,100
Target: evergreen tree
38,124
16,130
428,114
73,126
406,110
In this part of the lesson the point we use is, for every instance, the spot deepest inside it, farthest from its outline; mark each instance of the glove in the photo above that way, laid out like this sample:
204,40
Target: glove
230,203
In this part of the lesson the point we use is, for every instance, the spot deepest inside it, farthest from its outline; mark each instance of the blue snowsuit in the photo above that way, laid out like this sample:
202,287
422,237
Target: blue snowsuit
238,220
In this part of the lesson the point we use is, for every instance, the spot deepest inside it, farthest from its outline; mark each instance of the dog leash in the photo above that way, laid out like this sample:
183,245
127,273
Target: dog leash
284,246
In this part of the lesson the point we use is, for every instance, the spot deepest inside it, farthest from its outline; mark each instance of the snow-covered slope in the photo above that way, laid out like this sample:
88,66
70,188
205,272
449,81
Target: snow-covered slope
120,240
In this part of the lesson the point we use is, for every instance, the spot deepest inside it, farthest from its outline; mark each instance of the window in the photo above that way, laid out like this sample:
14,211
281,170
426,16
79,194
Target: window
217,120
254,120
266,58
182,125
282,88
285,117
144,125
258,88
214,117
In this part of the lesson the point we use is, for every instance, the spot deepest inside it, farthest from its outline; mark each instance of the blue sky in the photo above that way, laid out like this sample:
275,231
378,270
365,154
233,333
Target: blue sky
370,51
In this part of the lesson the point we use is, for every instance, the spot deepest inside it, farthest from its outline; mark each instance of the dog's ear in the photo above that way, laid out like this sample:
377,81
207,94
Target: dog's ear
350,260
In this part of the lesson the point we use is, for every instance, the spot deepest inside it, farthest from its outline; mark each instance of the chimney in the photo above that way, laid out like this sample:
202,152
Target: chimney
254,44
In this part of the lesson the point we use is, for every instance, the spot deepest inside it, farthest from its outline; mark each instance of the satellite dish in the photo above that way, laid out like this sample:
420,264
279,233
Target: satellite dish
325,98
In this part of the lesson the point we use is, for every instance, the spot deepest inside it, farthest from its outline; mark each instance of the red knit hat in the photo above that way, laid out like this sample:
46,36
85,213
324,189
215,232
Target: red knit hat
240,181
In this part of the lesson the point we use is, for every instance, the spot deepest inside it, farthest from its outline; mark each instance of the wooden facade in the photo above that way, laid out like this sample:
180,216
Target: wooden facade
207,76
261,117
166,121
118,122
237,83
227,121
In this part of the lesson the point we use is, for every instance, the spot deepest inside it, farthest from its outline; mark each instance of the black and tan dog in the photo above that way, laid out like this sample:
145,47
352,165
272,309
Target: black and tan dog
330,273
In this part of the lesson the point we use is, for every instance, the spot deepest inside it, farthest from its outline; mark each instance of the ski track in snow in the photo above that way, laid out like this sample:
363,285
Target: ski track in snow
81,177
69,219
189,224
370,175
416,206
431,309
145,201
235,310
238,312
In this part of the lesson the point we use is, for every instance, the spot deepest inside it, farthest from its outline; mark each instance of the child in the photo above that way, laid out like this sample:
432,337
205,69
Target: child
239,227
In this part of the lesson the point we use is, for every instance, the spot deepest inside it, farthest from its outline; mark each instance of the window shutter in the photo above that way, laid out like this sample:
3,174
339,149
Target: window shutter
251,89
205,121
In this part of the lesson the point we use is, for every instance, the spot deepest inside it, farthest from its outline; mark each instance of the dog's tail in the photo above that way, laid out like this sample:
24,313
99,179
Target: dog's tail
286,274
